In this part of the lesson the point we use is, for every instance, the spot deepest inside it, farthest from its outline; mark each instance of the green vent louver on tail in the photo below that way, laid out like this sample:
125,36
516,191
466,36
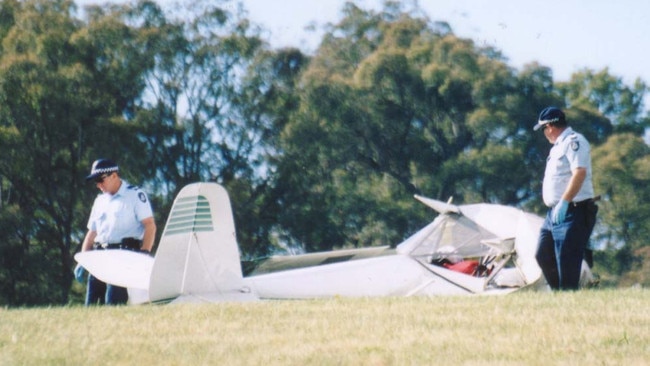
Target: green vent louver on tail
189,214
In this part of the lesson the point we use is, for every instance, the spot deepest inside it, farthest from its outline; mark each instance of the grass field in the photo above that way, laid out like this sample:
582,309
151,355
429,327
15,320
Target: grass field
596,327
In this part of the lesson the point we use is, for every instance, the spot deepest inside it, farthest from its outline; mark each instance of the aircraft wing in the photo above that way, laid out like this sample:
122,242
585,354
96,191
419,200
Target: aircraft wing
390,275
279,263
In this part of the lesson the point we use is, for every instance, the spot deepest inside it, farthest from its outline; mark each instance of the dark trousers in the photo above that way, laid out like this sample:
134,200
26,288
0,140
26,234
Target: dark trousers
561,247
99,293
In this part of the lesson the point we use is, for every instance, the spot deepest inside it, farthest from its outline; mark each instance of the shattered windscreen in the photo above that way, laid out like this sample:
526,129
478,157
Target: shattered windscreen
451,236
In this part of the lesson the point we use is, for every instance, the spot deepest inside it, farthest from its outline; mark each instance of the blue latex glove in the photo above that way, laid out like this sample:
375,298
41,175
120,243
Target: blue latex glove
559,212
80,273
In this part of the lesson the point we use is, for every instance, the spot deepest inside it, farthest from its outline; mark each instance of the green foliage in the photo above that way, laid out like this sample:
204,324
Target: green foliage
58,113
389,99
39,76
607,94
621,171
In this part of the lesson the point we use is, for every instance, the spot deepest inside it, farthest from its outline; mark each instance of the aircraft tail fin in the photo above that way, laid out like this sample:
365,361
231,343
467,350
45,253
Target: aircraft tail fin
198,256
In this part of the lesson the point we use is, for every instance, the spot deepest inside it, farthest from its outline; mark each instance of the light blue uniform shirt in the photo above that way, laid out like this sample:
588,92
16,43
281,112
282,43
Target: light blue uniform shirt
119,216
570,151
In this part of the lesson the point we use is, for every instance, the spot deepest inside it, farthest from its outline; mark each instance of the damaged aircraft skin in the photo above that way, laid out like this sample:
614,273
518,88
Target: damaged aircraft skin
476,249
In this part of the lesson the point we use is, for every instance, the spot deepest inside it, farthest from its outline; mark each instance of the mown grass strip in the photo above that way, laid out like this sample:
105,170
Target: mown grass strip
603,327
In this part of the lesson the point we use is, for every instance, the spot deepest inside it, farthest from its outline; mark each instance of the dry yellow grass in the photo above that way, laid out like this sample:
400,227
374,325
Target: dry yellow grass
606,327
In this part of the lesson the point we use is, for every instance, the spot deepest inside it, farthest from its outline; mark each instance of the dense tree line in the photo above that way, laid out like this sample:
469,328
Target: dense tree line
318,151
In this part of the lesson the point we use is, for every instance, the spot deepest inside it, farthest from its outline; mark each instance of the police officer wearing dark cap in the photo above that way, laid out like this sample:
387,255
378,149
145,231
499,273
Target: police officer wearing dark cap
121,218
568,192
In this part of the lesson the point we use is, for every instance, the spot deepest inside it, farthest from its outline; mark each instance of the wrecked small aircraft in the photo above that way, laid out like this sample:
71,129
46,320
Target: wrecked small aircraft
475,249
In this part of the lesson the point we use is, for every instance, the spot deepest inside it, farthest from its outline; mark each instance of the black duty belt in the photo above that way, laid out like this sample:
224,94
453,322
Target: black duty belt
585,202
126,243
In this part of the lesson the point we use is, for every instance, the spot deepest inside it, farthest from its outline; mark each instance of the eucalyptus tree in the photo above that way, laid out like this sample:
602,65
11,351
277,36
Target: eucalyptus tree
193,100
608,95
270,98
621,176
68,89
43,112
210,110
393,104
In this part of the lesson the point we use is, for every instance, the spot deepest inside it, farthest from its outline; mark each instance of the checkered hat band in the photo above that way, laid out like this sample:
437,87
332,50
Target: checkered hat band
556,119
104,170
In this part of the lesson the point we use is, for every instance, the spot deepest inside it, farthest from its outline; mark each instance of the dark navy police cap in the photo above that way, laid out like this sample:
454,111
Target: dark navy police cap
102,166
549,115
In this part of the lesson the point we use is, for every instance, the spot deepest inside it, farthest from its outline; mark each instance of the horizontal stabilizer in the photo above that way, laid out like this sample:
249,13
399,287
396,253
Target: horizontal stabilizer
119,267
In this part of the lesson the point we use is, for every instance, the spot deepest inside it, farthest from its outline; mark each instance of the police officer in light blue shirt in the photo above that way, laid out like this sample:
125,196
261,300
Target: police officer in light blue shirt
121,218
568,192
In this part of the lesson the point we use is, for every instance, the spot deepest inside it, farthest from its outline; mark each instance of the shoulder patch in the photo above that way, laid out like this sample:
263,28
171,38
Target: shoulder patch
142,197
575,145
